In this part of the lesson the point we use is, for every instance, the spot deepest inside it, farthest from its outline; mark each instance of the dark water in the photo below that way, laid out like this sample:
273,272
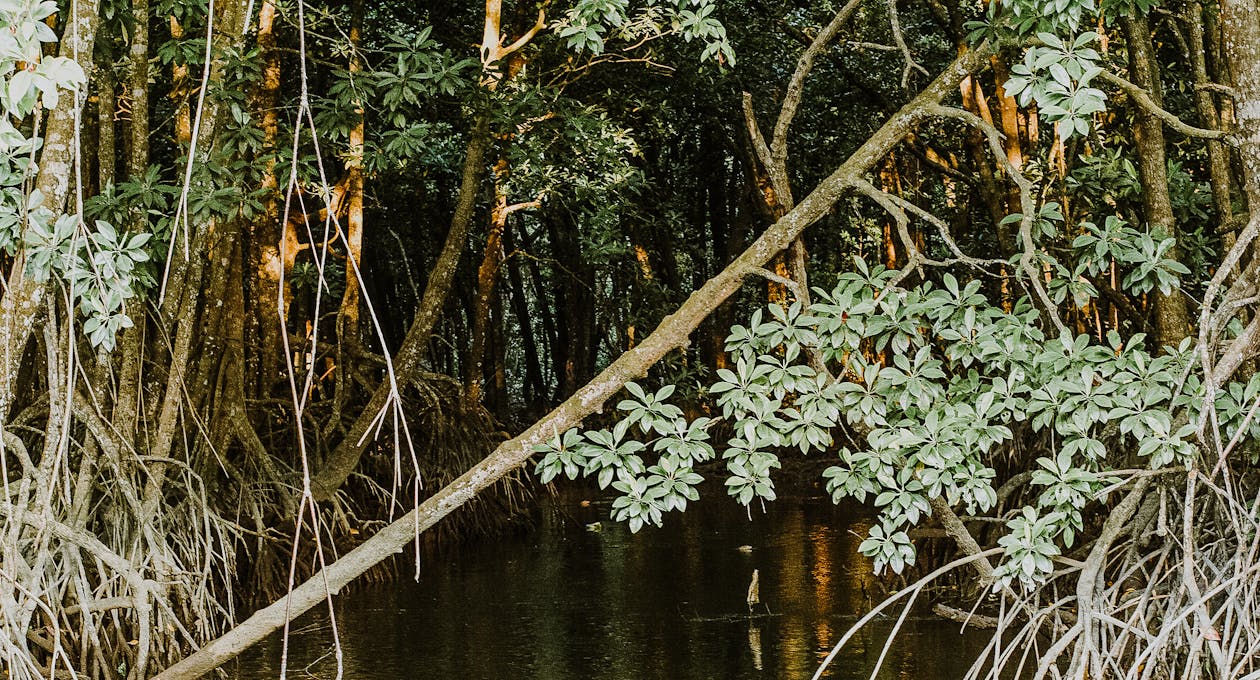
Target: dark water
567,603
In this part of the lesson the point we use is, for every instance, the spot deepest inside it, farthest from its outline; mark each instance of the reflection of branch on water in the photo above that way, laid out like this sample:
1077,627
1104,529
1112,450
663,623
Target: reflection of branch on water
754,644
320,626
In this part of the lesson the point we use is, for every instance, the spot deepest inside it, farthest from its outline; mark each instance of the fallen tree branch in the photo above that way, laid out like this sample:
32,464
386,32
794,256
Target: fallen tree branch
964,617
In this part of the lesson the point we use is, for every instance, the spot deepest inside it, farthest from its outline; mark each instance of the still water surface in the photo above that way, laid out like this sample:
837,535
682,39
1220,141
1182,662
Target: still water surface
563,602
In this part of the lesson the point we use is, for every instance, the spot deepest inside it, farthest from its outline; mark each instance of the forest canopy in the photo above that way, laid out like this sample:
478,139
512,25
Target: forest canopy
287,283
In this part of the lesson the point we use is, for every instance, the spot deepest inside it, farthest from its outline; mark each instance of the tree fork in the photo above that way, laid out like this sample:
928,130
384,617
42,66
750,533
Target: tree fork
673,332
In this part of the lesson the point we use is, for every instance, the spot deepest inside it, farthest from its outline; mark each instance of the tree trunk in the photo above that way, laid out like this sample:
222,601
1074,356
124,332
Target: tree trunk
23,297
269,284
1209,115
106,158
487,275
1172,321
138,81
180,91
348,318
550,331
535,390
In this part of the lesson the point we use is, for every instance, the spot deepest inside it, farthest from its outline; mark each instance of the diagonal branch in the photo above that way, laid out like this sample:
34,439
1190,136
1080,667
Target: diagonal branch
528,35
1143,99
758,140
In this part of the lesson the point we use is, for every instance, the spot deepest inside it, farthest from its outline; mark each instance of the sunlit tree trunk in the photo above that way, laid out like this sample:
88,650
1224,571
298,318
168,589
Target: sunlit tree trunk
348,318
352,231
487,275
268,283
1008,122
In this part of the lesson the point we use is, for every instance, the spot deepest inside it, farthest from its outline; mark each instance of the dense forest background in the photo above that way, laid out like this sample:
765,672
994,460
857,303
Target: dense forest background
288,283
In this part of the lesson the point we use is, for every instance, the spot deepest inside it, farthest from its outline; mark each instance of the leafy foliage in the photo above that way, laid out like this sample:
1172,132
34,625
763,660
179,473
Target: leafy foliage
937,379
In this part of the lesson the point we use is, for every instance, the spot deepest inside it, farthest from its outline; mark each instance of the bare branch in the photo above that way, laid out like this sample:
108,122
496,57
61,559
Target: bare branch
890,204
1218,88
754,132
528,36
895,24
1027,261
794,286
862,45
1143,99
792,99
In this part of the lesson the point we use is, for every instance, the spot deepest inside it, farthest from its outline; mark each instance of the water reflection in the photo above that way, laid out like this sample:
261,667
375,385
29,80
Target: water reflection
565,603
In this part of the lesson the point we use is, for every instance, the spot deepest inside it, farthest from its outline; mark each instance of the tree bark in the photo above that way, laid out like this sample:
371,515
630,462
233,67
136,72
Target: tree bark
1240,24
1209,115
106,158
535,389
24,296
182,308
348,318
269,283
138,82
487,275
179,90
1172,321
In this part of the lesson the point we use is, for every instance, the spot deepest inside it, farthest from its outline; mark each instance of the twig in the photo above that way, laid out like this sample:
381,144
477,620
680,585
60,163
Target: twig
895,24
794,286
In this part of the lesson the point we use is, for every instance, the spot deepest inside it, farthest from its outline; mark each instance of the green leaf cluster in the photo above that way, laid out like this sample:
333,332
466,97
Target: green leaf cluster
938,380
